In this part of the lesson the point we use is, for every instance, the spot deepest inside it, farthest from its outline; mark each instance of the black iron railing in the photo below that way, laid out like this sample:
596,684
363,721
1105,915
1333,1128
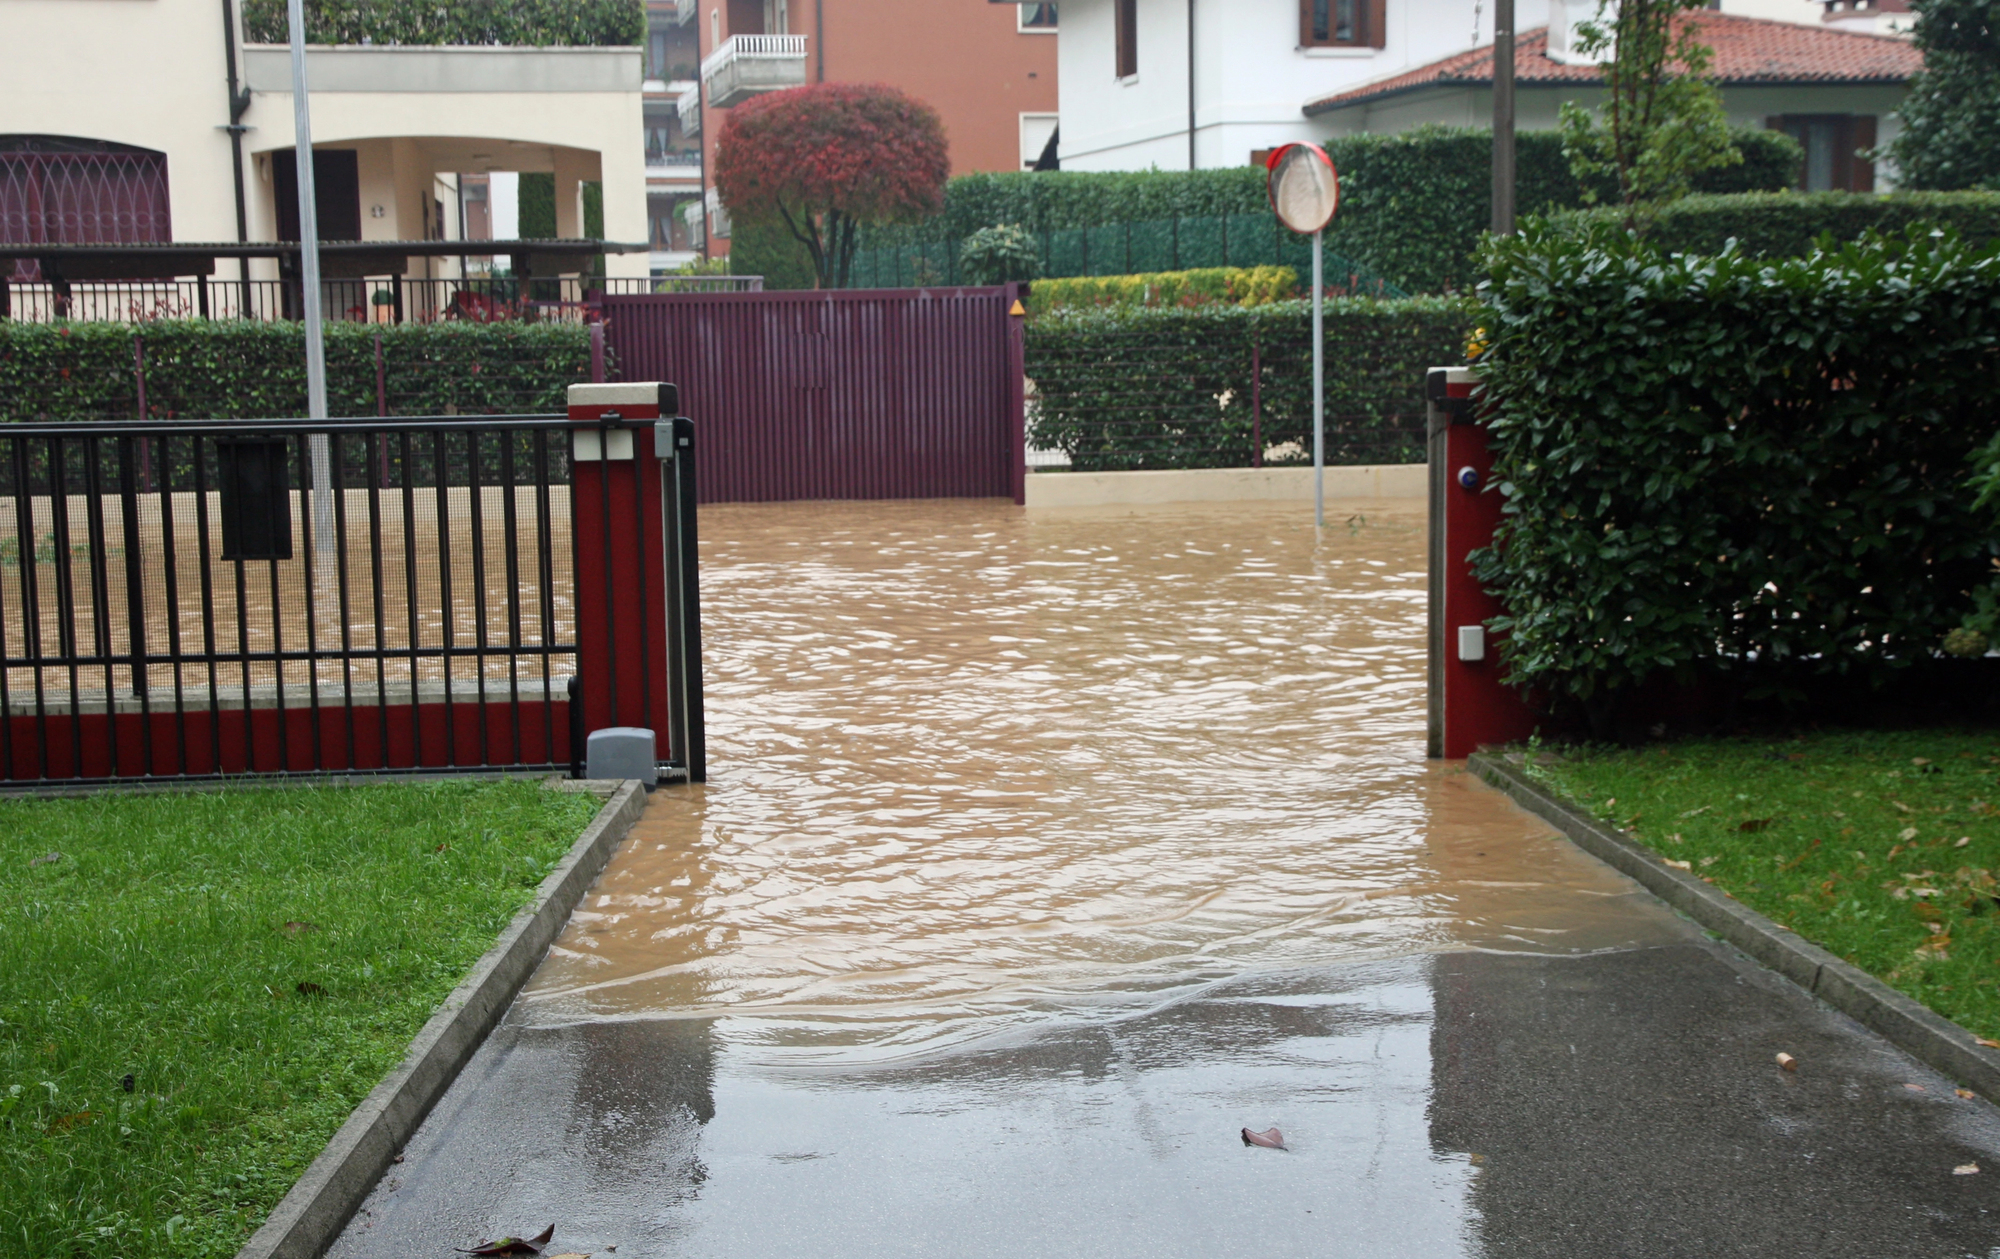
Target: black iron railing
197,600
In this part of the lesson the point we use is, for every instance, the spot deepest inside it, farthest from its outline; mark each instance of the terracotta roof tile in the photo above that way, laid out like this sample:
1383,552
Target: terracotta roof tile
1747,51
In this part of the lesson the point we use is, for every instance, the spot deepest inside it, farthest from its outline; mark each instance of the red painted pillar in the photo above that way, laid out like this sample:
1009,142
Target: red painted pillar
618,523
1470,705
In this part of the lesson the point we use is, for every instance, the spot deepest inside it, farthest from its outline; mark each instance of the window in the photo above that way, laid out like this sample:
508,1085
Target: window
1127,20
665,145
1036,132
1342,23
1833,144
1037,19
669,229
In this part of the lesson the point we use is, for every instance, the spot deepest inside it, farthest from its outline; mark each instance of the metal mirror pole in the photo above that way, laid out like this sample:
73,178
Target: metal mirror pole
1319,390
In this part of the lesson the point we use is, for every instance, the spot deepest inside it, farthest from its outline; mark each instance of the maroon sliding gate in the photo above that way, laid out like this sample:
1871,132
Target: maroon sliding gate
882,393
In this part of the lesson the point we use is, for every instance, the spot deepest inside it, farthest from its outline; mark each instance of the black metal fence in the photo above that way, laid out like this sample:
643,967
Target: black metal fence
199,600
390,299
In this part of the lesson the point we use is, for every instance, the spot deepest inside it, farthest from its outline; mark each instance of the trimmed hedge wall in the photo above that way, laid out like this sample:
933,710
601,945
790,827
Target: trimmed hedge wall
244,370
1413,205
1788,224
533,23
1732,465
1136,387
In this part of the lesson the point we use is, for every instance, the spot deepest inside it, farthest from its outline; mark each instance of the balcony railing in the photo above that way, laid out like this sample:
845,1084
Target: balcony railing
689,103
744,65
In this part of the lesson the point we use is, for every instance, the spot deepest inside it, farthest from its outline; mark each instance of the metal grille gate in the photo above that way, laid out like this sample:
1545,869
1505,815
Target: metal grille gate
196,601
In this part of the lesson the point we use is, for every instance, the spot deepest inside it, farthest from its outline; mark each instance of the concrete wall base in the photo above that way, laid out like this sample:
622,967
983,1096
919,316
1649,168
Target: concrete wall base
1223,485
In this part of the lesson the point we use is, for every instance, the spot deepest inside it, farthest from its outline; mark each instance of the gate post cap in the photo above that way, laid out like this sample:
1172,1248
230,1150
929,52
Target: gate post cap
633,400
621,752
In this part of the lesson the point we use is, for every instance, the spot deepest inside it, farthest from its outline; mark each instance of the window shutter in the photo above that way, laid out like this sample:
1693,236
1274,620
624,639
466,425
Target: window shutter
1864,138
1378,23
1305,23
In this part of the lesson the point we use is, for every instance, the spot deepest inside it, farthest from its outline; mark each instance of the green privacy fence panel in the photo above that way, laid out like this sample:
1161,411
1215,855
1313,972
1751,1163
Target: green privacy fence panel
1176,244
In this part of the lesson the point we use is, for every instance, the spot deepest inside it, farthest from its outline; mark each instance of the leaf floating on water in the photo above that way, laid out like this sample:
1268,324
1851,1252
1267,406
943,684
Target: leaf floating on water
514,1245
1270,1138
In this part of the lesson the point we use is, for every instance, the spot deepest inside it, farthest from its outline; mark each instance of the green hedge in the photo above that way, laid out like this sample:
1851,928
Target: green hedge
1238,286
1134,387
1413,205
243,370
1714,461
1787,224
536,23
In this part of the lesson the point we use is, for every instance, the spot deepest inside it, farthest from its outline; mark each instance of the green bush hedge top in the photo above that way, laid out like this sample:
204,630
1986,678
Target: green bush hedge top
237,369
1788,224
1413,205
1238,286
535,23
1710,461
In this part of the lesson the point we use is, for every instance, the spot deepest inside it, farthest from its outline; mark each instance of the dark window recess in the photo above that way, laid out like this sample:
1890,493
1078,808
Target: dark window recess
1834,144
256,498
1128,37
1343,23
336,193
1038,17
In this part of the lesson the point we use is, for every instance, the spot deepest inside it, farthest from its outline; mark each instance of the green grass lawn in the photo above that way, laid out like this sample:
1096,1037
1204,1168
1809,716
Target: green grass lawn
198,989
1881,847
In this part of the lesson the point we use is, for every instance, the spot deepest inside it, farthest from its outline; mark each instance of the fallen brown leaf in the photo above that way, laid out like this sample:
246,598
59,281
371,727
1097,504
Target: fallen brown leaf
1270,1138
81,1119
1915,1088
309,989
1967,1094
1755,824
514,1245
1966,1169
1679,865
1990,1044
298,928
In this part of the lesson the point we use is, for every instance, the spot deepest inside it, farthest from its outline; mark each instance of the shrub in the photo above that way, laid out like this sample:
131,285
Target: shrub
536,23
1714,461
242,370
1788,224
1214,386
1413,205
769,249
996,255
1237,286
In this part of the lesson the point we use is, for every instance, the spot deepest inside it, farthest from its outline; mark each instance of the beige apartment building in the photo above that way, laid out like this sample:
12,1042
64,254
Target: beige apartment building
116,123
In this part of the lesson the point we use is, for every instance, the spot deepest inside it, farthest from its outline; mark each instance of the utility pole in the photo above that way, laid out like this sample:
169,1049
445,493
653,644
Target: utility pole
1190,78
1503,117
302,160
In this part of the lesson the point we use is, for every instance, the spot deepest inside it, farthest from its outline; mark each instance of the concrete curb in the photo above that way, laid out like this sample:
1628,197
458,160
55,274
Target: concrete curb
308,1219
1910,1025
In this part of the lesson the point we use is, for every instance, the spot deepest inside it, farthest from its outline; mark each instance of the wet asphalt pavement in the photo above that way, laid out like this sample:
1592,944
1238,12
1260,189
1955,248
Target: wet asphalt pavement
1043,854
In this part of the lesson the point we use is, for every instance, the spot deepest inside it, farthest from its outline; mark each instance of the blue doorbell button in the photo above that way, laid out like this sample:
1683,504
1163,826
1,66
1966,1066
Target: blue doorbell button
1468,478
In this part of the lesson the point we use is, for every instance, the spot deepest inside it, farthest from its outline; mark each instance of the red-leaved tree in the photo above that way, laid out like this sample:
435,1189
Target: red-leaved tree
825,158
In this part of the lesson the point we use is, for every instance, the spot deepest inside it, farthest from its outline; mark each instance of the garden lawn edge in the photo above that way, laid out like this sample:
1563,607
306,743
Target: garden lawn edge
1909,1025
308,1219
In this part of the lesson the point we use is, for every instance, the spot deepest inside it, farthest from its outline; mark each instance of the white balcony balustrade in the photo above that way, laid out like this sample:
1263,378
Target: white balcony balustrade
744,65
689,104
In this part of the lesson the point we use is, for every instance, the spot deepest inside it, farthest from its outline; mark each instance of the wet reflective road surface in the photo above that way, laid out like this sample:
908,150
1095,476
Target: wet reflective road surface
1043,852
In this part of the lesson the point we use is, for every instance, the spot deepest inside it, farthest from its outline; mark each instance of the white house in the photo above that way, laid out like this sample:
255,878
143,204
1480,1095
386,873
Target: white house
123,106
1180,84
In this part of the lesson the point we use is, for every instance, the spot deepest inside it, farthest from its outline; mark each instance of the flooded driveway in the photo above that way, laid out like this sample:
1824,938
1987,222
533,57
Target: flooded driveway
1044,852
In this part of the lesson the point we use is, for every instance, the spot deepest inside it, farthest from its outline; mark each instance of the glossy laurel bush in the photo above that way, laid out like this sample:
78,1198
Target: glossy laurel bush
1710,461
533,23
237,369
1789,224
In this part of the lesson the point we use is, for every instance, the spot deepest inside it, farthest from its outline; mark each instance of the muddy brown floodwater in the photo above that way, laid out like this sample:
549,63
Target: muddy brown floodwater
975,767
1046,853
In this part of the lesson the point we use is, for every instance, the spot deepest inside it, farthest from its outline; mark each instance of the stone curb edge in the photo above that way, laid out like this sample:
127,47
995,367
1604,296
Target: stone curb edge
1910,1025
308,1219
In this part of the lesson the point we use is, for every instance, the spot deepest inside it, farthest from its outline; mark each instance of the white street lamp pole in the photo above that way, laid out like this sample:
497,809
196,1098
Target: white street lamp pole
308,218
